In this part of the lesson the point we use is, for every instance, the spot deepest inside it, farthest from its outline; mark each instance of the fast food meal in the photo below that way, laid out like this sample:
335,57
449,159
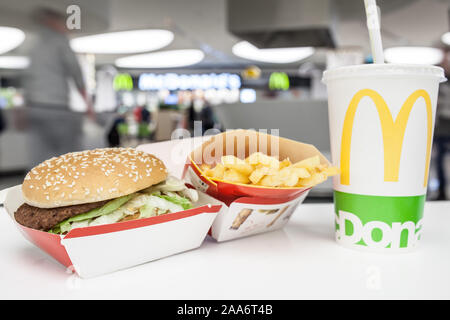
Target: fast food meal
260,169
97,187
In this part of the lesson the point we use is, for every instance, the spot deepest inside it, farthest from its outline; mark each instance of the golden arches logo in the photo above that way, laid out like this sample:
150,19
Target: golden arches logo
393,132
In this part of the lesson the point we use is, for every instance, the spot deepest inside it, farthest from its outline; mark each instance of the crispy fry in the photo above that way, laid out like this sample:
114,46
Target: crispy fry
205,167
235,176
308,162
331,171
302,172
218,171
271,181
237,164
315,179
258,174
291,181
259,158
285,163
206,170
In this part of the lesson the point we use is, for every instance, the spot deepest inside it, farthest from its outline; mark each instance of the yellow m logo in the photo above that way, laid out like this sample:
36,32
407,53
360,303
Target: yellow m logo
393,132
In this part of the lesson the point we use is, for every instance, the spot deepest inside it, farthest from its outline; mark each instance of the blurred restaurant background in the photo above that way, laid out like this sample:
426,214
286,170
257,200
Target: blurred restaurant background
77,75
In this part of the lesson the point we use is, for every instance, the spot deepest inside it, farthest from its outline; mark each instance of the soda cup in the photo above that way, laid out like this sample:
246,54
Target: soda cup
381,119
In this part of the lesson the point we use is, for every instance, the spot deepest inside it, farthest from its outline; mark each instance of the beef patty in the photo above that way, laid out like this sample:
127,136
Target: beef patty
45,219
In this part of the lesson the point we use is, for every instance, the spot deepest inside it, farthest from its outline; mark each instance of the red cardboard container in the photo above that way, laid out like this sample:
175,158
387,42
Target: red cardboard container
96,250
249,209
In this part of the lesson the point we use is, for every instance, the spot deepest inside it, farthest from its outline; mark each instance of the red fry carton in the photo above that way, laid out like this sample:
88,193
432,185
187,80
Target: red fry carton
249,209
96,250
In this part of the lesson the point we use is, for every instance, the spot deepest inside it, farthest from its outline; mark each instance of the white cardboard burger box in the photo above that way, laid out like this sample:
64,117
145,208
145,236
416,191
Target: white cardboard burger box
96,250
247,210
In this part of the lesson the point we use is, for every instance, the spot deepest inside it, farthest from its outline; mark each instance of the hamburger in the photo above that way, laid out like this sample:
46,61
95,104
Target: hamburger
97,187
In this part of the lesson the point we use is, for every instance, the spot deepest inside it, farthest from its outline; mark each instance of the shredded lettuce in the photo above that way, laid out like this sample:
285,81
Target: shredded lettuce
168,196
107,218
147,211
179,200
163,205
79,224
107,208
127,209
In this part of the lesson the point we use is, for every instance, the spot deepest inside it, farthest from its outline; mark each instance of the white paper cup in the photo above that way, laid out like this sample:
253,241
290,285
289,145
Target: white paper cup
381,128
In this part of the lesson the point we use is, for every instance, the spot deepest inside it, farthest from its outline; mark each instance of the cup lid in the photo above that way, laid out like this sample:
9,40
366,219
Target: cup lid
386,69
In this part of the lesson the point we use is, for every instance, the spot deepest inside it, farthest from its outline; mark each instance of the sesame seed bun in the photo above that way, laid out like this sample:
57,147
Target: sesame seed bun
91,176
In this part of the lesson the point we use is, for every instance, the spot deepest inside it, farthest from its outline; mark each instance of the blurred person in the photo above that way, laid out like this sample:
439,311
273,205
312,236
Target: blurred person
442,139
442,130
54,129
145,121
208,118
201,111
115,133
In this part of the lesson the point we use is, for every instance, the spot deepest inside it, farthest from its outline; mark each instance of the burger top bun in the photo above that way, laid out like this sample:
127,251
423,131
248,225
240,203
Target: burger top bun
91,176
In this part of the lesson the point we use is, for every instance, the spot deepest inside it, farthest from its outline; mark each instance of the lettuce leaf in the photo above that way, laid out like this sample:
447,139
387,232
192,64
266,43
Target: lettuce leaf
109,213
147,211
179,200
107,208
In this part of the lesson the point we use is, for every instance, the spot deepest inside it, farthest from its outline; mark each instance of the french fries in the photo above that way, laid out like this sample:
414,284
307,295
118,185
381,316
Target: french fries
235,176
231,162
258,174
263,170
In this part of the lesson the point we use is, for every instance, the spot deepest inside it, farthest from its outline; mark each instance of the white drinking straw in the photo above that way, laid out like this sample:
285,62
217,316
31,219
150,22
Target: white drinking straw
373,24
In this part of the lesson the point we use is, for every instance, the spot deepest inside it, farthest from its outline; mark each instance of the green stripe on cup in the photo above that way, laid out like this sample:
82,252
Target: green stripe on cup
378,221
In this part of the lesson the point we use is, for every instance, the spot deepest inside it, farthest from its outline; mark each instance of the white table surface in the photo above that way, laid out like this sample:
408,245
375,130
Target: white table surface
300,261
